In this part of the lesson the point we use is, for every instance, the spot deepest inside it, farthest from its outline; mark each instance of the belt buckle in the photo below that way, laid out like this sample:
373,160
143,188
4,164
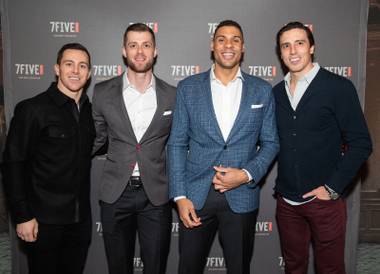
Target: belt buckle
135,182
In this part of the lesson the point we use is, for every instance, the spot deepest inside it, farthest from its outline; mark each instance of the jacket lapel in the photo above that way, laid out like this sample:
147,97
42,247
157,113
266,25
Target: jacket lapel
243,107
161,104
120,105
209,106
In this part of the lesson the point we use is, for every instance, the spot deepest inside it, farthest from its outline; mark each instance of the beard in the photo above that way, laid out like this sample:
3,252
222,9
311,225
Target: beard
148,66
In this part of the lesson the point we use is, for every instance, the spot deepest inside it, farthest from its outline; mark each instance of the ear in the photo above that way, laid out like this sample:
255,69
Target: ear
124,52
155,52
312,49
89,74
56,69
212,45
243,48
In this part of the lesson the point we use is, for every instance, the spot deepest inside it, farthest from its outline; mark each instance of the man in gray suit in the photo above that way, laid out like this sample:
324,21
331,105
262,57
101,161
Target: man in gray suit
134,113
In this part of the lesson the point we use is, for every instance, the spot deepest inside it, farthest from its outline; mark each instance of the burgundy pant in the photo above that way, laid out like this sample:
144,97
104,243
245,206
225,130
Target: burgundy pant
321,222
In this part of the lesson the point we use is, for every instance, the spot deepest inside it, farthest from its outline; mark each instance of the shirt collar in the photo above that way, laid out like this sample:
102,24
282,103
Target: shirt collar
308,77
213,78
127,84
60,98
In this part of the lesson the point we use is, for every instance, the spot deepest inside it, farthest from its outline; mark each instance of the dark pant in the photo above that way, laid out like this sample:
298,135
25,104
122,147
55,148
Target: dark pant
130,213
321,222
59,249
236,235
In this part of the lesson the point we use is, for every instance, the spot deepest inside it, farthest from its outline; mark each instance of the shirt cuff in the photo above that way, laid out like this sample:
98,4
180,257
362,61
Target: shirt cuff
248,174
175,199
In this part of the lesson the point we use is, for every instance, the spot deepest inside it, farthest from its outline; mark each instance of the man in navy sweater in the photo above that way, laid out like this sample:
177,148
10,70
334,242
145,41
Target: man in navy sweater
323,142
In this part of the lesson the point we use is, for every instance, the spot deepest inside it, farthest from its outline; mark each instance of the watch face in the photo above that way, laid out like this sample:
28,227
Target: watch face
334,196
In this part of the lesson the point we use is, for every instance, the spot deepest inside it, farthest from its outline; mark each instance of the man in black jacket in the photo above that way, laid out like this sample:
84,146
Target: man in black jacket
323,142
47,162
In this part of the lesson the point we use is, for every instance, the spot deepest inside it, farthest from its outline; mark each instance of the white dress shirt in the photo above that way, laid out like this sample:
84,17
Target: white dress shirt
141,107
226,101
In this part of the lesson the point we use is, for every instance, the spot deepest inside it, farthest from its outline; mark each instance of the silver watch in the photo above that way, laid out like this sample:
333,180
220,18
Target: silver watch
332,194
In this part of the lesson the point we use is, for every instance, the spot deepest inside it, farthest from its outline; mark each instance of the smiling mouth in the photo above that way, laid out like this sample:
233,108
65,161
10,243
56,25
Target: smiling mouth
228,55
294,60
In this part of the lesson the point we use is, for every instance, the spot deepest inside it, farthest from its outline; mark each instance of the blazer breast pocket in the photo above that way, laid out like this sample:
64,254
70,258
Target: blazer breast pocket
255,119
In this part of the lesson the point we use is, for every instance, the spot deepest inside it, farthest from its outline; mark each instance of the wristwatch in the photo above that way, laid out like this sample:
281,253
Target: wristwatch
332,194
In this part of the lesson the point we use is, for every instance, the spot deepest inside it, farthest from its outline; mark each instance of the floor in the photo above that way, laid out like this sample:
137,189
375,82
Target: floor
368,261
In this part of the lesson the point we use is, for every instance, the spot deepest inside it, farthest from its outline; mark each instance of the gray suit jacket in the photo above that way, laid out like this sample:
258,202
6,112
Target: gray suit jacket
112,123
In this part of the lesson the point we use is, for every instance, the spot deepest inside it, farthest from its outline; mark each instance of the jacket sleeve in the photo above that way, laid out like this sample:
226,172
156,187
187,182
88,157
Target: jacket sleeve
177,147
355,135
268,143
22,139
99,122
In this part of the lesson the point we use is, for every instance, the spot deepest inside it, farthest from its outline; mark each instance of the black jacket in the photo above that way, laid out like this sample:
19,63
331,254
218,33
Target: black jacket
327,118
47,159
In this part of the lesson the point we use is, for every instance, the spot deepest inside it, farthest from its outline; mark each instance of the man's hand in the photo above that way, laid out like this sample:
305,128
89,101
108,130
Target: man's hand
320,192
187,213
227,178
28,231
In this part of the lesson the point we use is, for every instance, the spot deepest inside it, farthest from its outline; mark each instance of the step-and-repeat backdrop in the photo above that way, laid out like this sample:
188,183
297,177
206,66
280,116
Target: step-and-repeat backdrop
35,30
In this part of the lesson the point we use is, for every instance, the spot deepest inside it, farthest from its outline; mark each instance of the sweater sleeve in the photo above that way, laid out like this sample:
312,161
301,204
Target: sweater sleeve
355,137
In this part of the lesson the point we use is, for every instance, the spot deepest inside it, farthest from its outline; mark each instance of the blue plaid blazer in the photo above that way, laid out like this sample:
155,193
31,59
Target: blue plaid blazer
196,143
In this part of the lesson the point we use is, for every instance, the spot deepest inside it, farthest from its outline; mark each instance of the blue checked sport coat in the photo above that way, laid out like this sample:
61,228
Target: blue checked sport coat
196,143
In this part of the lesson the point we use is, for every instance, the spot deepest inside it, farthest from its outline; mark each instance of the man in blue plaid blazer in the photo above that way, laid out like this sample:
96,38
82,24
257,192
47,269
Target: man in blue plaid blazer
222,142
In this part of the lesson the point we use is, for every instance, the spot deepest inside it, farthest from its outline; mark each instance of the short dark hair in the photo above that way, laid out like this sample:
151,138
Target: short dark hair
76,46
139,27
290,26
229,23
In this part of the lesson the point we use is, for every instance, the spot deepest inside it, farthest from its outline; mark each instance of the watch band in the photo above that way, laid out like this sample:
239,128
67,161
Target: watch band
332,194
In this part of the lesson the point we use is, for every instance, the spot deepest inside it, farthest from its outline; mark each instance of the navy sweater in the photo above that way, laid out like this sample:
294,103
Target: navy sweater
327,118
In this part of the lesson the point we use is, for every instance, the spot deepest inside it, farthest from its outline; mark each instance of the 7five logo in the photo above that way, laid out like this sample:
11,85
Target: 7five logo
175,228
263,228
104,72
266,72
99,228
281,262
310,26
64,29
179,72
215,263
152,25
138,263
211,28
341,70
29,71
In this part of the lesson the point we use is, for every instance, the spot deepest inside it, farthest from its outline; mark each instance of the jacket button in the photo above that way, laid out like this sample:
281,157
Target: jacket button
225,147
294,134
294,117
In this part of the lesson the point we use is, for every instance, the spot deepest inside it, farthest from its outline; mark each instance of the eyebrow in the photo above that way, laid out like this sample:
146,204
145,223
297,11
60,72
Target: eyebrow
224,36
72,61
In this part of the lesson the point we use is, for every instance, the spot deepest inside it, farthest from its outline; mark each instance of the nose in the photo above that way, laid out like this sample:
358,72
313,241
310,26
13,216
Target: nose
140,48
76,69
228,43
292,49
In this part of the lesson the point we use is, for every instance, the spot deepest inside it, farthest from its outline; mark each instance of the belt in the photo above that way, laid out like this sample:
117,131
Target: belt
134,182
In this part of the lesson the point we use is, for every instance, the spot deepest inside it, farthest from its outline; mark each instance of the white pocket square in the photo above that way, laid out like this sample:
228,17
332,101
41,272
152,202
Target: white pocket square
257,106
168,112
